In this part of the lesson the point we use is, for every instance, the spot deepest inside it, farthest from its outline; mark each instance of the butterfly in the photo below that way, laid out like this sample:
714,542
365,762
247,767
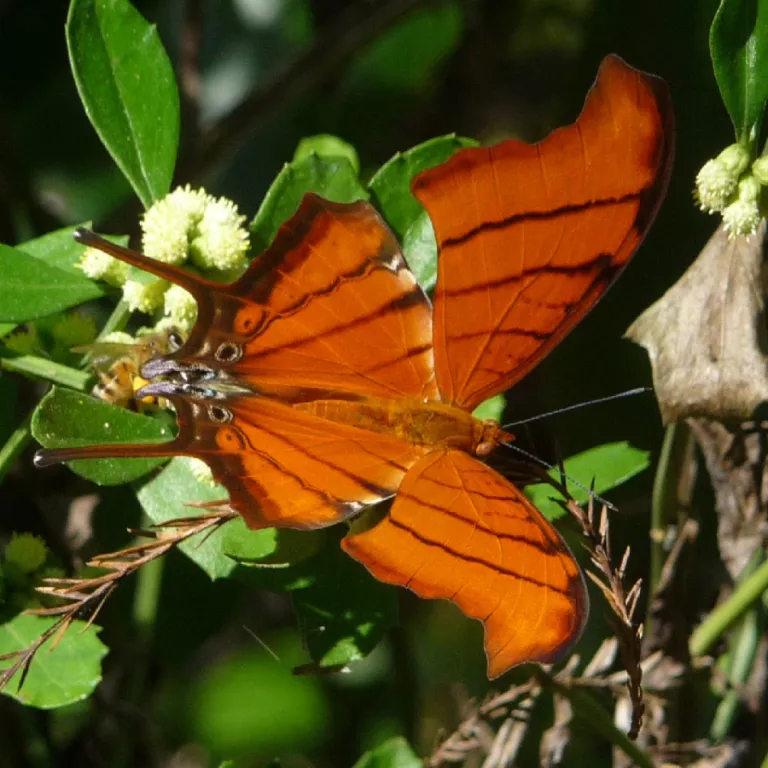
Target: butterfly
323,381
117,366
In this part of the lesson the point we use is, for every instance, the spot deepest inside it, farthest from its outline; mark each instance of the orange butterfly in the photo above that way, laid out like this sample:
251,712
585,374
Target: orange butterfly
322,381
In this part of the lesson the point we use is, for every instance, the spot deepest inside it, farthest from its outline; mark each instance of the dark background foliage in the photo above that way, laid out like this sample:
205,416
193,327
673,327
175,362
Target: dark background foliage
384,76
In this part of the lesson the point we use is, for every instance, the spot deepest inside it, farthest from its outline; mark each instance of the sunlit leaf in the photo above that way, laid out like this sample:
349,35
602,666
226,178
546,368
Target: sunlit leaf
67,673
738,43
65,418
609,465
127,86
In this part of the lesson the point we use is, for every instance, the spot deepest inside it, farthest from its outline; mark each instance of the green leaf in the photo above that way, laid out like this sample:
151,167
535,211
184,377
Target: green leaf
224,710
168,495
333,178
268,558
6,328
346,612
30,288
738,44
58,249
393,753
66,674
491,409
66,418
327,145
420,250
391,185
128,89
609,465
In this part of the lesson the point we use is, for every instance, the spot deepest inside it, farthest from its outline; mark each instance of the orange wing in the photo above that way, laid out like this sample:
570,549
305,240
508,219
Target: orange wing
459,530
330,308
331,305
531,236
281,466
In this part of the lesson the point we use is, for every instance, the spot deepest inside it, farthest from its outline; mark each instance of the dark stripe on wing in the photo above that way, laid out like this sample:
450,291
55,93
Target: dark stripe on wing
478,560
547,548
550,215
602,264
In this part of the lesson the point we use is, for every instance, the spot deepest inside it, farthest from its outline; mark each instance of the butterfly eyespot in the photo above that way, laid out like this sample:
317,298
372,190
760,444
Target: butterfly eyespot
175,340
219,415
229,352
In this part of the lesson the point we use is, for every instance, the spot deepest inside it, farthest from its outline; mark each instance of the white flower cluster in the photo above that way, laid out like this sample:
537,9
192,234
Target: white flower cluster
728,185
186,225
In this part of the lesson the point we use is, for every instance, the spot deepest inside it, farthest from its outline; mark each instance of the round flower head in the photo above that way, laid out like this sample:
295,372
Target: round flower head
180,307
119,337
99,266
742,216
716,182
760,170
222,239
169,225
144,297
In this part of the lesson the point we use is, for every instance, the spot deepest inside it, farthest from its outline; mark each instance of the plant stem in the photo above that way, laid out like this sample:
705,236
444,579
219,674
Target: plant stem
726,614
40,368
145,605
743,651
14,445
585,707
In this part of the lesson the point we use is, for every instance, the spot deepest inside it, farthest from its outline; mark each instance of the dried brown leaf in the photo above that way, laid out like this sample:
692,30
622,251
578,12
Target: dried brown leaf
706,337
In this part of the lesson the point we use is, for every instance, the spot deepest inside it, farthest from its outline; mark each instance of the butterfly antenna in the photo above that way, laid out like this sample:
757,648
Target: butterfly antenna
547,465
606,399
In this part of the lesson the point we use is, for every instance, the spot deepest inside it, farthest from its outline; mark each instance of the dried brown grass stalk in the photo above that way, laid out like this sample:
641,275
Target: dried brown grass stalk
623,603
515,703
86,596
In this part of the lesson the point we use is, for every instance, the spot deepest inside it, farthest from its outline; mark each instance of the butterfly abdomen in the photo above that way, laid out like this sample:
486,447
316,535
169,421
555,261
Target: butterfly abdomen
411,420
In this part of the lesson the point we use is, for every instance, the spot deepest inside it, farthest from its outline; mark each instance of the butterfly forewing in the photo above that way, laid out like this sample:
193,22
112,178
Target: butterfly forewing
531,235
332,306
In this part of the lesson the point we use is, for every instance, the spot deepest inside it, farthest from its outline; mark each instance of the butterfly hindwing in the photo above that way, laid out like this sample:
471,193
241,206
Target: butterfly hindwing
459,530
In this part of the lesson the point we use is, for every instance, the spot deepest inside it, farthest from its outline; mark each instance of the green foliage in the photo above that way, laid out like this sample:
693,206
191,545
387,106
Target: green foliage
332,177
30,288
59,676
345,613
128,90
738,43
385,83
66,418
600,468
395,753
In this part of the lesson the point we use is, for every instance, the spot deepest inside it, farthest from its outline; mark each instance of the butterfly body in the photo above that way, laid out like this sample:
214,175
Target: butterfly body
323,381
430,424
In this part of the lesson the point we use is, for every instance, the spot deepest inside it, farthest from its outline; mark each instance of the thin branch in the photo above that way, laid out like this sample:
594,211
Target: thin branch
86,596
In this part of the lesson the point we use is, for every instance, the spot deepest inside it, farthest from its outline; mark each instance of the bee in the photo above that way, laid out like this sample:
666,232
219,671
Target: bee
118,365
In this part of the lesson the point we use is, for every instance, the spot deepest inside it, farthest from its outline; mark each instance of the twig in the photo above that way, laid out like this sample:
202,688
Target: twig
86,596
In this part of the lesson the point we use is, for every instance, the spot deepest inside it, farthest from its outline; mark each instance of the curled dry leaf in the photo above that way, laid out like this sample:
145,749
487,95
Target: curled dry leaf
706,336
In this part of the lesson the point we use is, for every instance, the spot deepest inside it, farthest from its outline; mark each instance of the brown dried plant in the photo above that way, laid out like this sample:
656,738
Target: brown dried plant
86,596
501,744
